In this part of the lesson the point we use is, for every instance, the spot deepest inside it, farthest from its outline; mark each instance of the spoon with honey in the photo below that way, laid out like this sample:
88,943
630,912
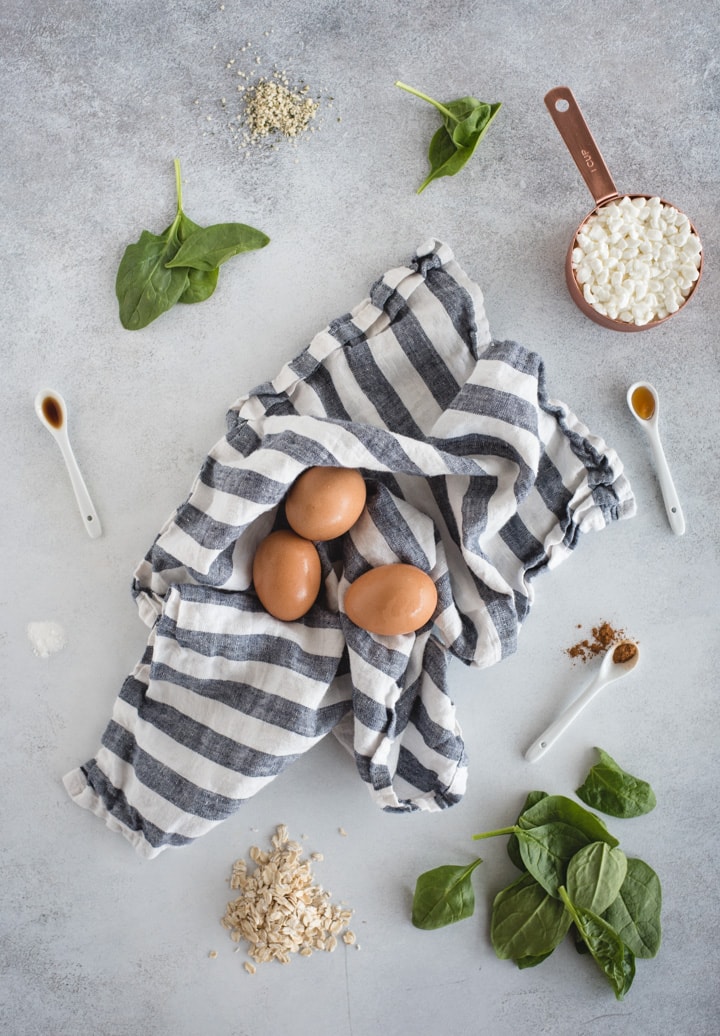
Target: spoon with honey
52,411
618,661
644,405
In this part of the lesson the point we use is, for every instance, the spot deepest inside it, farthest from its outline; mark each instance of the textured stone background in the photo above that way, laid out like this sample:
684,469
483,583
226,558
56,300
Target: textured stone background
98,98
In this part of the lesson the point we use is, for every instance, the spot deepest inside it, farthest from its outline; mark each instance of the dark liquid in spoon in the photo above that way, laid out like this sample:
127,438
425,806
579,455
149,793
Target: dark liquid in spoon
52,412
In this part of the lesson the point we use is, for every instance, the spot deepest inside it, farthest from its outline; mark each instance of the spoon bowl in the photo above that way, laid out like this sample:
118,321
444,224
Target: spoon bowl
619,660
644,404
51,410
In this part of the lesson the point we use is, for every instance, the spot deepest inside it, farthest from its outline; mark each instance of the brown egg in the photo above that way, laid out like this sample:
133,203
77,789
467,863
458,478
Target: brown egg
391,599
325,502
286,574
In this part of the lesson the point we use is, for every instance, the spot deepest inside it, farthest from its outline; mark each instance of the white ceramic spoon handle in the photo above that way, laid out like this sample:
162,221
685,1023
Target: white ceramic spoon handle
550,735
87,508
667,487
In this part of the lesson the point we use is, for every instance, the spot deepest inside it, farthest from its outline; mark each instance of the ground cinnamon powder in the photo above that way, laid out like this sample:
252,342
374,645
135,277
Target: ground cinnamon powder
624,652
602,637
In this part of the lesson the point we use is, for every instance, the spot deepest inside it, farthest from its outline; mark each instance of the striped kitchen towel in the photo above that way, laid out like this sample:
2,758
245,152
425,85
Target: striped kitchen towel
474,474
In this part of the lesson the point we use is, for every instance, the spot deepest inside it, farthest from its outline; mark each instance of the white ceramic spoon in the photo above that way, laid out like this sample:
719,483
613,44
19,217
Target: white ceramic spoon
644,406
50,408
609,670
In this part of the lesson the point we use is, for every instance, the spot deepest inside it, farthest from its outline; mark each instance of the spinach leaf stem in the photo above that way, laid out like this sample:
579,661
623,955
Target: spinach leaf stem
178,184
424,97
500,831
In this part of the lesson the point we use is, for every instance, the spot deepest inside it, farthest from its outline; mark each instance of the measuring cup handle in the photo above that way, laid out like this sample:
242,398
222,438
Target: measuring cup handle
569,120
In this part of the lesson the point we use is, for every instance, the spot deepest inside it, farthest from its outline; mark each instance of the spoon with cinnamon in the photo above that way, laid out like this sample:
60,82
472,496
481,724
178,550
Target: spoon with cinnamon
618,661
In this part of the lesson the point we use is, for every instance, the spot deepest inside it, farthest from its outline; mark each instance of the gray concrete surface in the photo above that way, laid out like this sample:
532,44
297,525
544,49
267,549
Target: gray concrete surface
97,100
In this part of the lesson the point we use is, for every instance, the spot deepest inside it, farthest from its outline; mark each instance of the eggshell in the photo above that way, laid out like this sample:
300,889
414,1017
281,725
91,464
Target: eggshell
391,599
286,574
325,502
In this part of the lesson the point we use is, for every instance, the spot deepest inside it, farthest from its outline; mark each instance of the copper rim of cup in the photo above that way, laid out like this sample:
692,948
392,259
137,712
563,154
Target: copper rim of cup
576,291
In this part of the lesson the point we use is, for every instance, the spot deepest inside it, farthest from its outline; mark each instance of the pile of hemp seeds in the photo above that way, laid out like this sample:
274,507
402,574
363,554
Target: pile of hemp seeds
265,109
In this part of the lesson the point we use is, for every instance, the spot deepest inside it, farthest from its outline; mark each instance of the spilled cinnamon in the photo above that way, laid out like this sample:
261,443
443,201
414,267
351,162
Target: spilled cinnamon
603,636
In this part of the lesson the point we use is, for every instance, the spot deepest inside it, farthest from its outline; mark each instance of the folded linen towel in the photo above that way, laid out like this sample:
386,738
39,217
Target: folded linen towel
474,474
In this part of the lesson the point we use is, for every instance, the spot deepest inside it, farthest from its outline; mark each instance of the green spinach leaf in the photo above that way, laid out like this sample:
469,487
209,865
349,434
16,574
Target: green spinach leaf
527,923
546,851
612,790
549,833
635,913
201,283
531,962
151,278
513,846
207,248
595,875
611,955
465,123
443,896
144,286
559,808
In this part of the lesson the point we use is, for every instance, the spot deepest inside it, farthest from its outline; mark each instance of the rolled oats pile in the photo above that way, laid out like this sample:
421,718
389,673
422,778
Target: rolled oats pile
280,909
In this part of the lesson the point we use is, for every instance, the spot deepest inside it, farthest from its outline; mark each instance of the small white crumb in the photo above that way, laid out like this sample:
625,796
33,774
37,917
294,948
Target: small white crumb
212,954
46,638
250,968
342,831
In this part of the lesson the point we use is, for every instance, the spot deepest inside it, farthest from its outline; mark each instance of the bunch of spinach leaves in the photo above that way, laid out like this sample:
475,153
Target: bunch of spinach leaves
574,878
465,123
179,265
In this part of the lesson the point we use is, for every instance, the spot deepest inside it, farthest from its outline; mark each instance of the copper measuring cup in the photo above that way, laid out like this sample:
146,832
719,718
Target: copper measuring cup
569,120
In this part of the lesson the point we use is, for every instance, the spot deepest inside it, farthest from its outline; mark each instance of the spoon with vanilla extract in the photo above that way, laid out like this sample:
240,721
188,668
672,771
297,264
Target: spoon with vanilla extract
642,398
51,409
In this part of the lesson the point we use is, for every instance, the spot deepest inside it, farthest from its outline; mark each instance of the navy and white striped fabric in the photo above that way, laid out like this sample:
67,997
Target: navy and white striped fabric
474,474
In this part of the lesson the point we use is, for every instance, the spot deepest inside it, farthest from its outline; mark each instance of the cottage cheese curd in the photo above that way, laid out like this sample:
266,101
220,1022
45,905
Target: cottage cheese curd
636,259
